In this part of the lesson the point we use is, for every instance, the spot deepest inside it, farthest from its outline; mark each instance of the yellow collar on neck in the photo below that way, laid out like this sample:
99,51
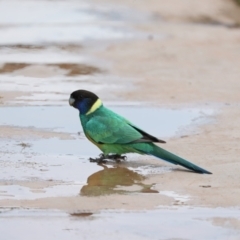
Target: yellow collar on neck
95,106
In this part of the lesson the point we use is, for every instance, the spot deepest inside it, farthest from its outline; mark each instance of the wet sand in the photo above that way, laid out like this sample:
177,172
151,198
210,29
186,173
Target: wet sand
158,55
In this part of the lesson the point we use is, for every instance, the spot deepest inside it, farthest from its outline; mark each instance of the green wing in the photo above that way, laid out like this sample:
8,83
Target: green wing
112,129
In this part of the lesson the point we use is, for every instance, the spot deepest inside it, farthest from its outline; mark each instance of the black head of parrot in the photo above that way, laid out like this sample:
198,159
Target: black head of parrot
83,100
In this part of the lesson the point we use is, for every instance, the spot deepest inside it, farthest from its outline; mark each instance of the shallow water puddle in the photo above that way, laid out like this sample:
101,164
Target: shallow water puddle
157,121
55,46
33,176
65,21
107,180
162,223
115,180
49,90
39,159
46,167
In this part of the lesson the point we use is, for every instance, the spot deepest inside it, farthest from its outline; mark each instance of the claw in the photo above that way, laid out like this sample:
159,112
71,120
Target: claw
116,157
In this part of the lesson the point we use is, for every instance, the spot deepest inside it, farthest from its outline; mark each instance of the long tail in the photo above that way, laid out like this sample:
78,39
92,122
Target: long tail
152,149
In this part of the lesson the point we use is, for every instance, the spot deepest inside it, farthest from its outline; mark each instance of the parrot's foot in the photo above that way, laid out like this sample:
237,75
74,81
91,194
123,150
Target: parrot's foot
102,158
116,157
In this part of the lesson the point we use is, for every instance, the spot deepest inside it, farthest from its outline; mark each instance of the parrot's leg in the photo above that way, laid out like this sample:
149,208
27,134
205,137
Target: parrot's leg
102,158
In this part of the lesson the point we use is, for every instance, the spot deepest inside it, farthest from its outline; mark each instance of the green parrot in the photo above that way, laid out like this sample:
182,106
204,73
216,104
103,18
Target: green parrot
115,135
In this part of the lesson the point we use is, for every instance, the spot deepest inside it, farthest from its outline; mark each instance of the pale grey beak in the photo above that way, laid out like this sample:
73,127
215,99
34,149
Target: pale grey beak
71,101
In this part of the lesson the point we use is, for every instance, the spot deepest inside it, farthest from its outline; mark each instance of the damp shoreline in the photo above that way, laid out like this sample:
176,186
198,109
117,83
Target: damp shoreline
184,67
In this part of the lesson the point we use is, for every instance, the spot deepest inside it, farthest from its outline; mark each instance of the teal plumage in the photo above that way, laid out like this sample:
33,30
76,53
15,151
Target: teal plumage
113,134
105,126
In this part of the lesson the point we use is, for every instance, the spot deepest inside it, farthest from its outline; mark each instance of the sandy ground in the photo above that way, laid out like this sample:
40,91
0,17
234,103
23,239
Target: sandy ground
194,63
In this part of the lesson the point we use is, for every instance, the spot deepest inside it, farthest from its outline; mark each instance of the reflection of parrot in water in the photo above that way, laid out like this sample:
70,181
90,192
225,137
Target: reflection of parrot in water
106,181
115,135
